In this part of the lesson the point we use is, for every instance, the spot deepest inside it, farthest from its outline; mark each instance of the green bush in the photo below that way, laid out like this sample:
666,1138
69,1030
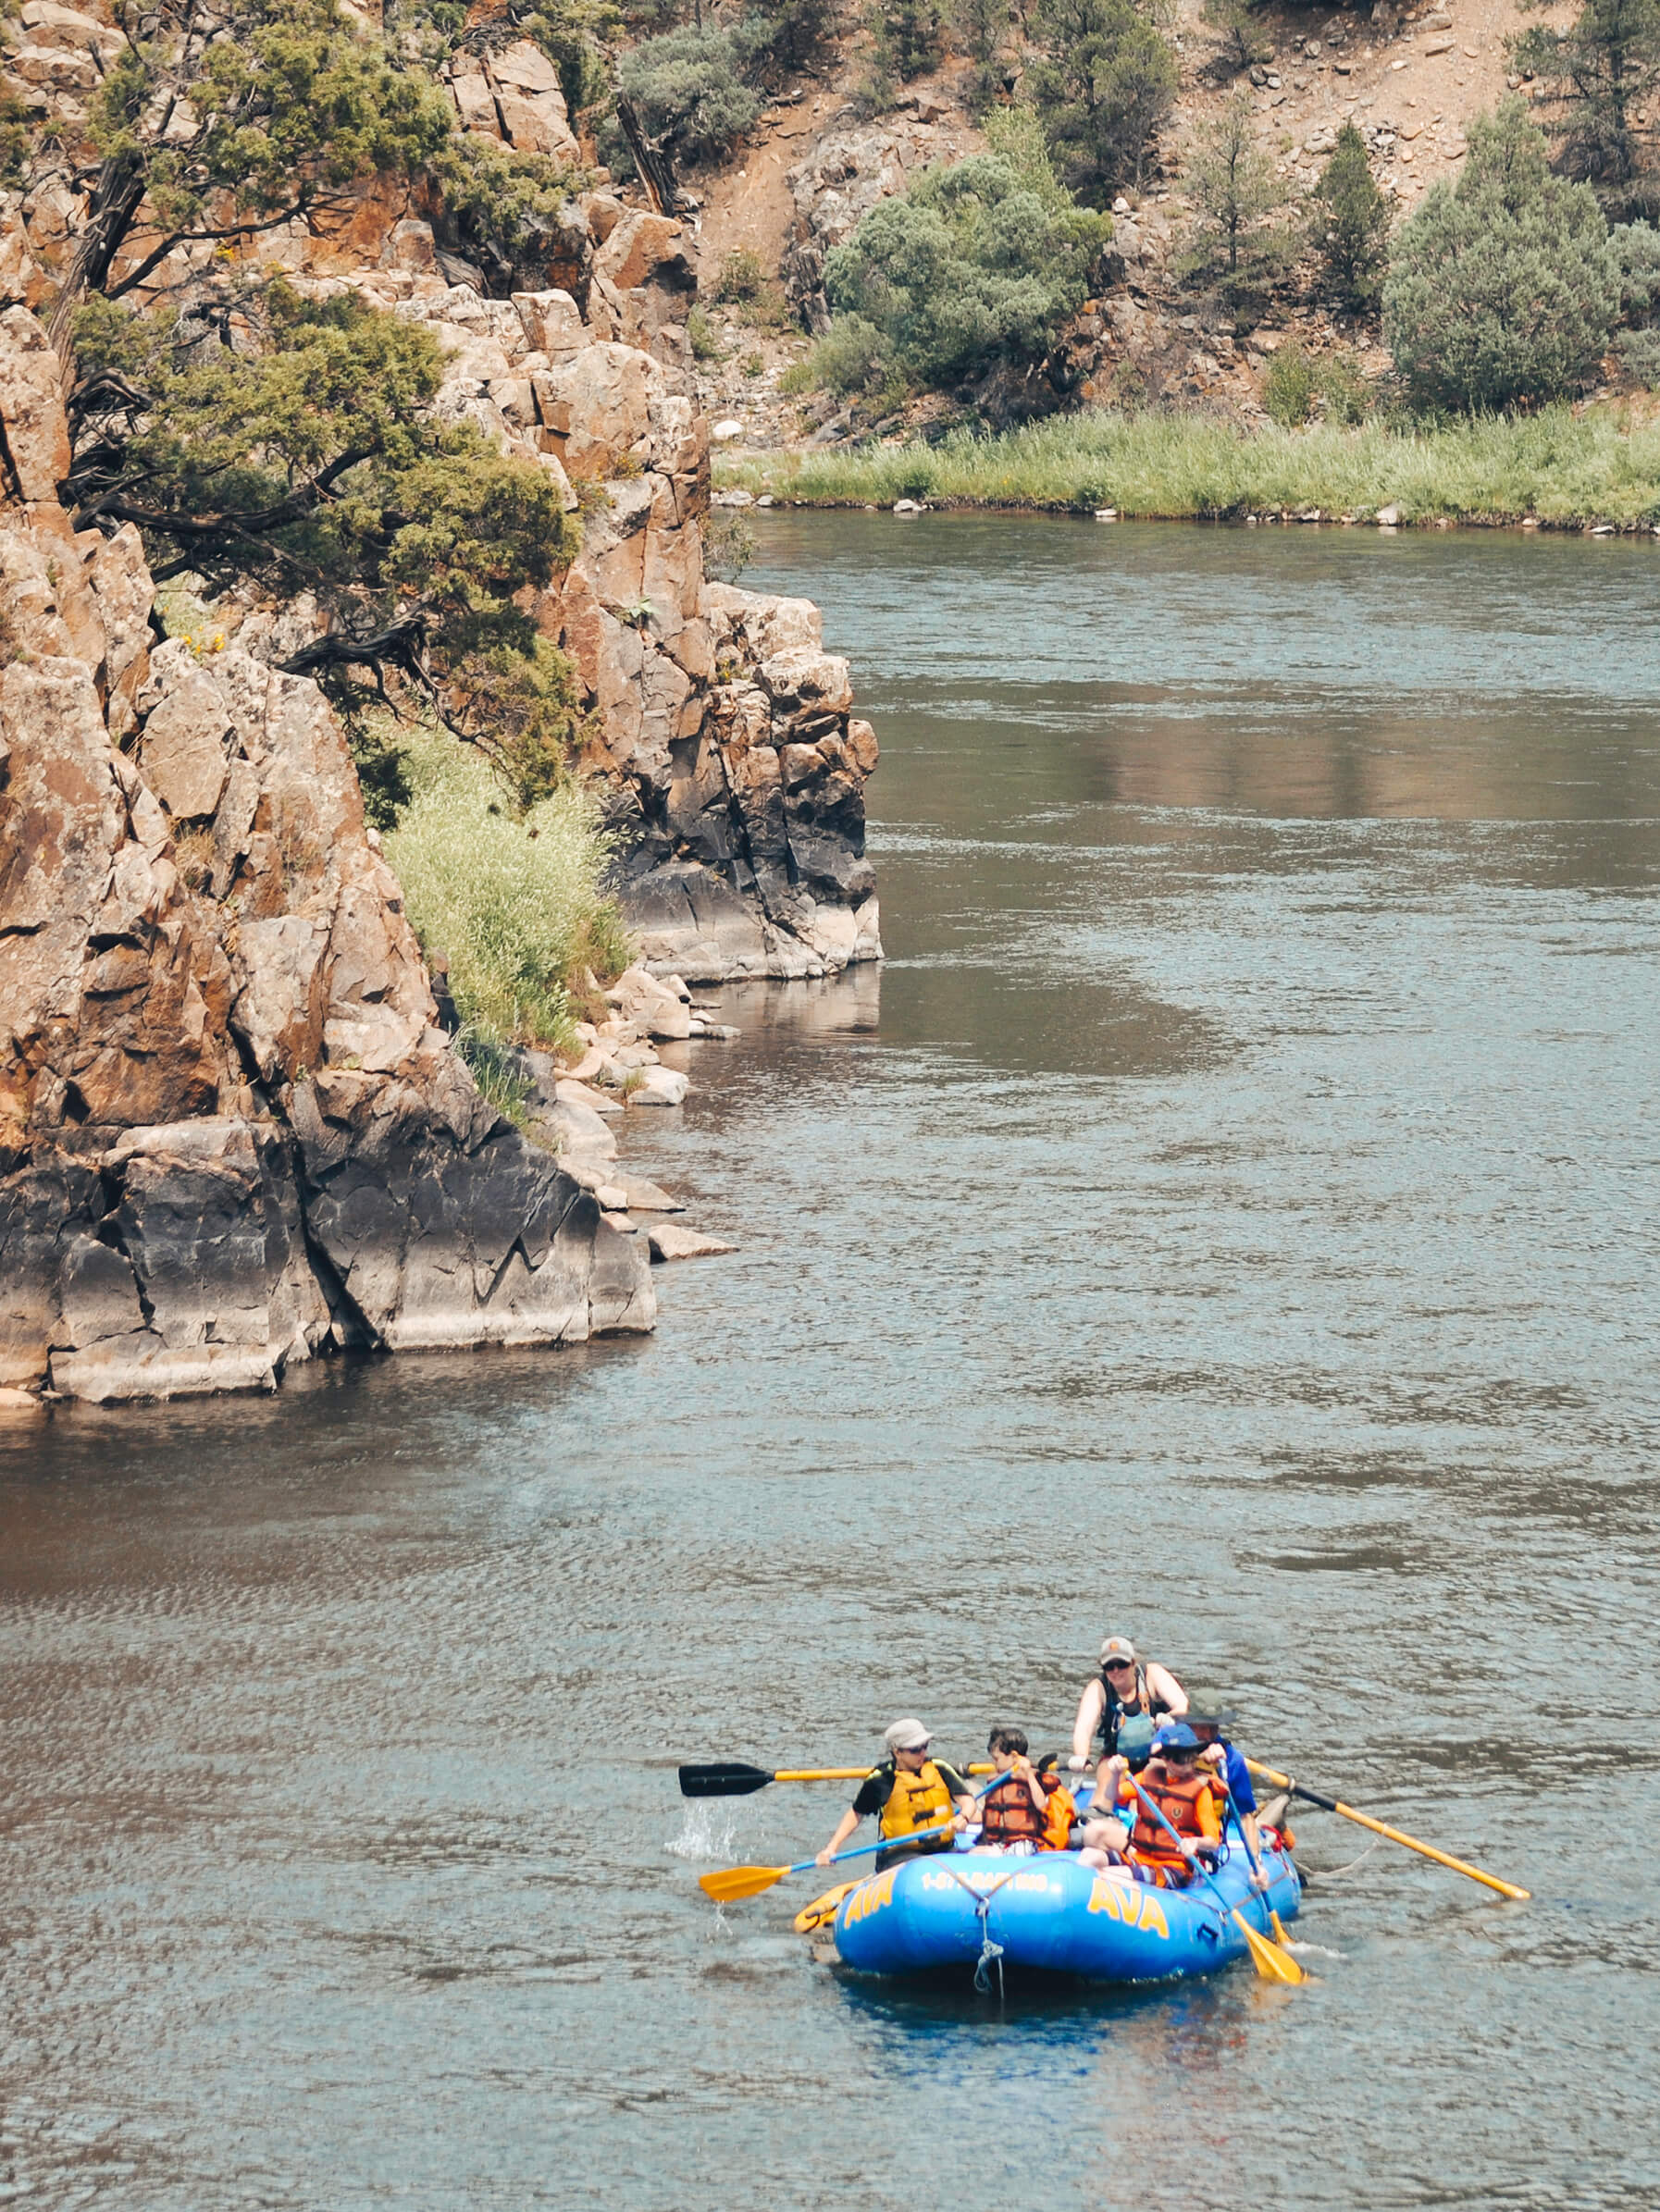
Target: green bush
691,91
1638,248
906,35
1503,289
1299,383
741,274
1289,393
791,31
1106,82
514,902
1239,39
982,28
1349,229
982,261
853,356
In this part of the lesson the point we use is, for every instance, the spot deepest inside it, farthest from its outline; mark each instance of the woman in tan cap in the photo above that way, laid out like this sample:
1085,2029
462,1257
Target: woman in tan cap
908,1791
1130,1694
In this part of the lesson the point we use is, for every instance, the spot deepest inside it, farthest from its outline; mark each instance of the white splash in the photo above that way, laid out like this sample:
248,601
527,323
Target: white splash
706,1832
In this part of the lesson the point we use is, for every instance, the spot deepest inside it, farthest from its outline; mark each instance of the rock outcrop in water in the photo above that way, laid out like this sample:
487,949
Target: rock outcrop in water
231,1132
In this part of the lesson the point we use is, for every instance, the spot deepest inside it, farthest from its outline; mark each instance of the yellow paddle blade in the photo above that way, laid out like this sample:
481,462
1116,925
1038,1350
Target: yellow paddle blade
1279,1935
739,1882
1271,1961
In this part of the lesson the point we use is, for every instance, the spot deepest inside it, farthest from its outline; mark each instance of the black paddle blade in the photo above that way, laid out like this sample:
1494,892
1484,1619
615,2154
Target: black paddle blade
722,1780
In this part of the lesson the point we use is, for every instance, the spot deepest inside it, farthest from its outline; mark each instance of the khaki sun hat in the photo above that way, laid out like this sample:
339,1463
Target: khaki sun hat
1117,1647
907,1736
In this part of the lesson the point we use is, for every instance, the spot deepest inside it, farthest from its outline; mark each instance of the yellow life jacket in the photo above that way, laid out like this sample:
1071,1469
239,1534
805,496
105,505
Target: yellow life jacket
919,1800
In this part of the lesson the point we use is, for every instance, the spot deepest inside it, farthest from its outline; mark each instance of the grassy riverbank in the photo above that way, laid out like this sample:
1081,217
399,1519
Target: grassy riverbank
1564,471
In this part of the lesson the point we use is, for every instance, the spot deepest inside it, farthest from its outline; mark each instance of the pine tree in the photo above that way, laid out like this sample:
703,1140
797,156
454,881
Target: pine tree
1501,289
1349,229
1235,240
1602,70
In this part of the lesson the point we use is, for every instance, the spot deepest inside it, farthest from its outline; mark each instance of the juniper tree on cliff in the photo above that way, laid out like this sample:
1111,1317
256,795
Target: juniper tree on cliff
225,117
1603,70
304,459
1503,289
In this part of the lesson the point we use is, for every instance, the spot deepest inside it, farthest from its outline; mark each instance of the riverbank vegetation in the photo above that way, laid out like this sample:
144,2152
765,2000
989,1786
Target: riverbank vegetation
1559,467
513,900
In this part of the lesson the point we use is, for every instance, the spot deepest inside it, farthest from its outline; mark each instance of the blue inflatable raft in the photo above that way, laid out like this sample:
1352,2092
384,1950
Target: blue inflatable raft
1050,1914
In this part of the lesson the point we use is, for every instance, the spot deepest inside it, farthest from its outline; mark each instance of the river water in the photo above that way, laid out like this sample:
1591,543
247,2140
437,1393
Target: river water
1229,1216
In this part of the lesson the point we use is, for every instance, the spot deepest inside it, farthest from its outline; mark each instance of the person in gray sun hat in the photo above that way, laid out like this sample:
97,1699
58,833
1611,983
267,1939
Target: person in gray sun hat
908,1791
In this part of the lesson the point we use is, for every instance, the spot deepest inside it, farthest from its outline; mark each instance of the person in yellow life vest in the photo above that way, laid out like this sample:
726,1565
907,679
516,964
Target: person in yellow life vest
1186,1794
1031,1812
908,1791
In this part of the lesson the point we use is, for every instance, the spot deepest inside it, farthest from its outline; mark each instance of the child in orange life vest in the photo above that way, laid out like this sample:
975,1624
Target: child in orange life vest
1030,1812
1187,1797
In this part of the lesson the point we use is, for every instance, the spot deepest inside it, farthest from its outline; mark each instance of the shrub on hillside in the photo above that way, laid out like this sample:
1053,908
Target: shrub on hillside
1239,40
1236,243
906,35
1301,386
982,262
691,90
1105,83
791,32
980,27
1638,248
1503,289
1349,229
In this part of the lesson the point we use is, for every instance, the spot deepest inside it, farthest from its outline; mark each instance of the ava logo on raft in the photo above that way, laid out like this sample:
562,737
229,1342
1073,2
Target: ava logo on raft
870,1898
1135,1907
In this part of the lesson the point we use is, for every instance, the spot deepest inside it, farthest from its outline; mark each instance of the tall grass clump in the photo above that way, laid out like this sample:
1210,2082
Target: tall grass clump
514,902
1482,469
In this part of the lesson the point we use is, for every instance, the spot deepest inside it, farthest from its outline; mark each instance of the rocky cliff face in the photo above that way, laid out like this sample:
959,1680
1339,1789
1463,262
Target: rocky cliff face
231,1134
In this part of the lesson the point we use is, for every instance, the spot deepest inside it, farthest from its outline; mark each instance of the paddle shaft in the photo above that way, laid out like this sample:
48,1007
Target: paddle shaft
751,1880
1312,1797
1246,1839
732,1778
847,1773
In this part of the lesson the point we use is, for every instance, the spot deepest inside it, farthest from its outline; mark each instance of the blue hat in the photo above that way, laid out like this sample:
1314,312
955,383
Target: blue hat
1175,1735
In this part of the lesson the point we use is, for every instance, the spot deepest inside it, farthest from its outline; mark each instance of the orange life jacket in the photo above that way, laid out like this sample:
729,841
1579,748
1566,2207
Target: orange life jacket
1008,1815
1178,1797
1058,1815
